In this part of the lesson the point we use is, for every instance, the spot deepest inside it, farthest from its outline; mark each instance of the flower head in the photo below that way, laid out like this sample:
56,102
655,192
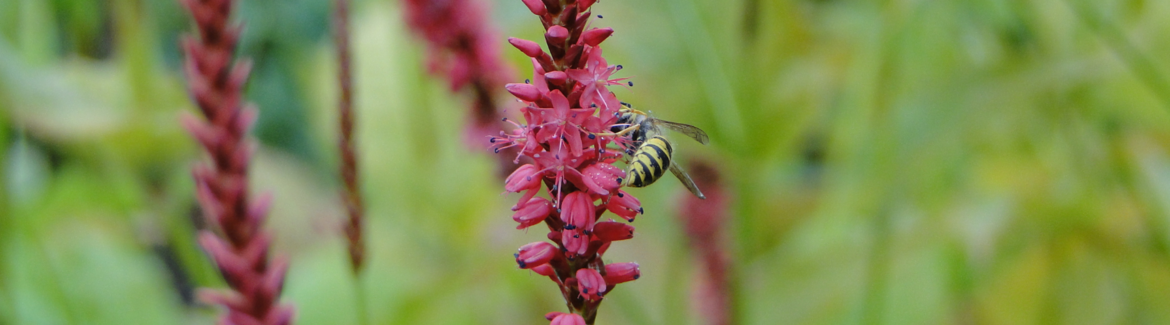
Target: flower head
570,150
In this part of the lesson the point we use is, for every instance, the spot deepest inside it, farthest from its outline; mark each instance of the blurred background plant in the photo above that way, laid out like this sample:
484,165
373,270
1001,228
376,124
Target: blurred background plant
897,162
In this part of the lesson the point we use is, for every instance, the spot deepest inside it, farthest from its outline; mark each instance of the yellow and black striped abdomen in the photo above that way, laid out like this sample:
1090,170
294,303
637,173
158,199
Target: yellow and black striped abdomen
650,162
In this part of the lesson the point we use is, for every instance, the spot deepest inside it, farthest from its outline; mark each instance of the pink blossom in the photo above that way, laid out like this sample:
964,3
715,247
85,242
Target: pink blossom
535,254
570,150
590,284
532,213
621,273
566,319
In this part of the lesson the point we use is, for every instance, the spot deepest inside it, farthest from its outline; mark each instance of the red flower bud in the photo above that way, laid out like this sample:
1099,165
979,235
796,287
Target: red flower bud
536,254
556,77
577,211
567,319
583,5
594,37
533,212
552,315
536,6
575,242
525,92
556,35
590,284
530,48
612,231
545,270
625,205
616,273
601,178
523,178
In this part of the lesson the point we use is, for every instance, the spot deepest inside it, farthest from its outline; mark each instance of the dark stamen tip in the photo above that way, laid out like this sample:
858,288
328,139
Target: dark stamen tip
599,16
591,137
631,83
527,81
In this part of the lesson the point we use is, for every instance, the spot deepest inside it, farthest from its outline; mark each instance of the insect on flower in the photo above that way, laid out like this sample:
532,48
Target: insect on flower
653,152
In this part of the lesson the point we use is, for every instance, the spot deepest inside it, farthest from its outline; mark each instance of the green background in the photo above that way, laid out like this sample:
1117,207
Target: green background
891,162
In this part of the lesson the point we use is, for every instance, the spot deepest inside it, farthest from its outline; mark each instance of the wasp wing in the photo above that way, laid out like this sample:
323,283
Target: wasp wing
689,130
686,180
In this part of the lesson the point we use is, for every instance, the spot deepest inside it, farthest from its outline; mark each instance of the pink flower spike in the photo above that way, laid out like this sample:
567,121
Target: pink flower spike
525,92
608,231
536,6
594,37
536,254
530,48
567,319
533,212
616,273
590,284
624,205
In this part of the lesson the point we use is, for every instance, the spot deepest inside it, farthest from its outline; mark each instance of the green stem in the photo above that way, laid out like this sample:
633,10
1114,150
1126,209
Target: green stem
359,292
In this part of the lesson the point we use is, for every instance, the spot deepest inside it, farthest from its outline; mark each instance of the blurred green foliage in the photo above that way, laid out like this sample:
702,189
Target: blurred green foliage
899,162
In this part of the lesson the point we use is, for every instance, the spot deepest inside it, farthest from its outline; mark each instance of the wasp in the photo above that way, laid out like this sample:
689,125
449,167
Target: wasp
651,151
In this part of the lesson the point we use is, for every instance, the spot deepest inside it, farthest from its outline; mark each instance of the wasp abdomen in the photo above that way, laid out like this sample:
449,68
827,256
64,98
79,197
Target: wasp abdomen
650,162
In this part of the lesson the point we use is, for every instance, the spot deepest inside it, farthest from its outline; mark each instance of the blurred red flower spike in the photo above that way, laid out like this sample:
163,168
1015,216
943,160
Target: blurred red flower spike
612,231
536,6
530,48
594,37
536,254
616,273
567,319
533,212
591,284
